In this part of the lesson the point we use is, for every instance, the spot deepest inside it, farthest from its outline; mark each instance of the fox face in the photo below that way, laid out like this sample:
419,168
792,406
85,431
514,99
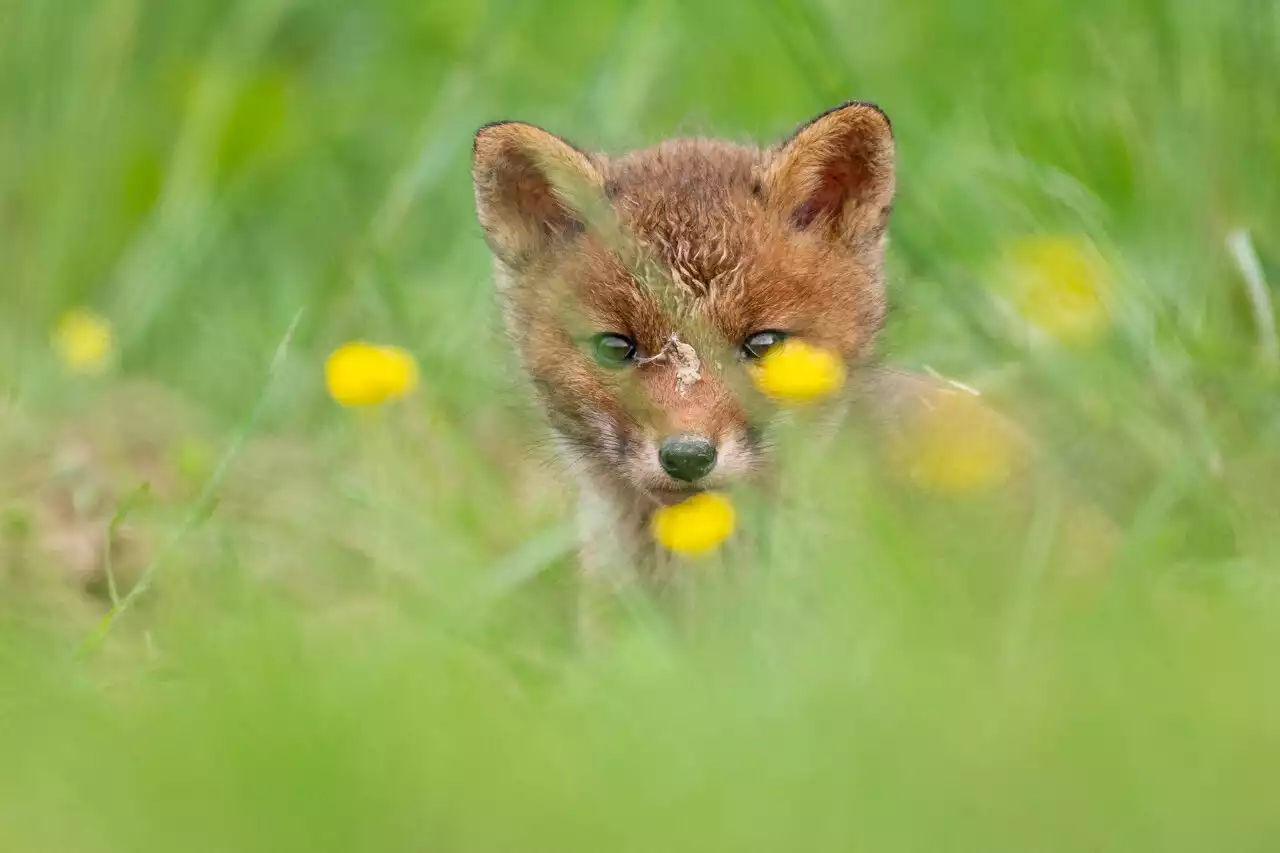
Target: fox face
638,289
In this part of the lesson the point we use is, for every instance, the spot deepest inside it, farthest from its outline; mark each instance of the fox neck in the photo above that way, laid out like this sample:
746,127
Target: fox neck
613,526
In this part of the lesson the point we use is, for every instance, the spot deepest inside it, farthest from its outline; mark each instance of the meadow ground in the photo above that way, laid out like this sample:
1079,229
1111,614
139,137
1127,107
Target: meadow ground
353,630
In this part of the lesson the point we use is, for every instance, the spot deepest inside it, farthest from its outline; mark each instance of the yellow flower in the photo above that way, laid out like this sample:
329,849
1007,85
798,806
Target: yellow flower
364,374
194,460
956,445
1060,286
84,342
696,526
796,372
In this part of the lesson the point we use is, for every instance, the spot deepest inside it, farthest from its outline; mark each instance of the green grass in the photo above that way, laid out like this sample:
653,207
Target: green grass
355,637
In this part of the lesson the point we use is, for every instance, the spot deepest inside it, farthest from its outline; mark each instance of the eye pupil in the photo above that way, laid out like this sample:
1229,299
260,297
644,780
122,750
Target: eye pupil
760,343
614,350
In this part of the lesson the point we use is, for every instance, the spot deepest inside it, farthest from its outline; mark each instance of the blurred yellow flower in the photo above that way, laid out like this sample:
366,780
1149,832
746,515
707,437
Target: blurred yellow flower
193,460
795,372
696,526
365,374
956,445
1060,286
84,342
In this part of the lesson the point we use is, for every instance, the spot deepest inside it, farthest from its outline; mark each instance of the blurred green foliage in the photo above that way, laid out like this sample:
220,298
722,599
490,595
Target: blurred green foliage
361,641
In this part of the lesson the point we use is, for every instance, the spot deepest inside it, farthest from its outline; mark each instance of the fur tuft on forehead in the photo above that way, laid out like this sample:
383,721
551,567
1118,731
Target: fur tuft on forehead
693,204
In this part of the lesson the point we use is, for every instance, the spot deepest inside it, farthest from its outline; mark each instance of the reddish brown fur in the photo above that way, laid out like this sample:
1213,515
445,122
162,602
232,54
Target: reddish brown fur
702,239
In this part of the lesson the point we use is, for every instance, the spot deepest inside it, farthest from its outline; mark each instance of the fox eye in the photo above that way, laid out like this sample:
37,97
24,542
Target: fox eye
614,350
755,346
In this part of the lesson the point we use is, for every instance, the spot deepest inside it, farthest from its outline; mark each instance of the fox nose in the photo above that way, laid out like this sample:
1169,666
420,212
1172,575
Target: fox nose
687,457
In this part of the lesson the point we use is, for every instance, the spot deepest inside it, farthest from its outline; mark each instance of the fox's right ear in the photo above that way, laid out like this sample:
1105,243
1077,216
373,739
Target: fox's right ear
531,188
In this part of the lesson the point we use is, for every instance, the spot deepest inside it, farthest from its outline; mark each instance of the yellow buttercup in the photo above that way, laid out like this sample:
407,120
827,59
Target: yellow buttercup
365,374
84,341
696,526
956,445
1059,286
795,372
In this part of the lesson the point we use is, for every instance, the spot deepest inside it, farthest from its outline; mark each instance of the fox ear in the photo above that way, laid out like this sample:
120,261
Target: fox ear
531,187
836,173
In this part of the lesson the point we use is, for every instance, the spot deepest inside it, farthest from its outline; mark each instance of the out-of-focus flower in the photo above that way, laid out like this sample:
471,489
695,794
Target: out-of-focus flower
193,460
955,445
694,527
365,374
795,372
84,342
1059,285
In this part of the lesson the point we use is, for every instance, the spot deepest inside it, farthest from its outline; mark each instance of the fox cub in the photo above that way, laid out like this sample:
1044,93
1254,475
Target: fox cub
637,288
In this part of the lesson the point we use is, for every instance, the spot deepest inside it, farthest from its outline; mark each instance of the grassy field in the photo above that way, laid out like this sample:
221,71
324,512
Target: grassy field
352,632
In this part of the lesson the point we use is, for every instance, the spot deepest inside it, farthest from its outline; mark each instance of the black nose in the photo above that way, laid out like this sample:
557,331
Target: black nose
687,457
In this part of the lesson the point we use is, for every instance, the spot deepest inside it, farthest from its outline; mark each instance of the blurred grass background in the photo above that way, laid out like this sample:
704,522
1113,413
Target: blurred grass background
357,637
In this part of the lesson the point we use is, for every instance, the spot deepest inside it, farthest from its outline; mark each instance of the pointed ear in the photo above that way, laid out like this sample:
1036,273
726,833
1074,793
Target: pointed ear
531,188
836,173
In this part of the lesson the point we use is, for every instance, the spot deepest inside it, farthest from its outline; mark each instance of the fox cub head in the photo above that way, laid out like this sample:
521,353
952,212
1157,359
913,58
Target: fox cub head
637,288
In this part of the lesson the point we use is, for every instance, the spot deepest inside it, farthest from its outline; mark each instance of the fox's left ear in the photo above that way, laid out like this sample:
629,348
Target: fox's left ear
836,173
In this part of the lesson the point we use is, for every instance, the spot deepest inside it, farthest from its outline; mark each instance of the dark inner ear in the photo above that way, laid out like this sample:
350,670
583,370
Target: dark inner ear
532,188
836,172
845,177
527,193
